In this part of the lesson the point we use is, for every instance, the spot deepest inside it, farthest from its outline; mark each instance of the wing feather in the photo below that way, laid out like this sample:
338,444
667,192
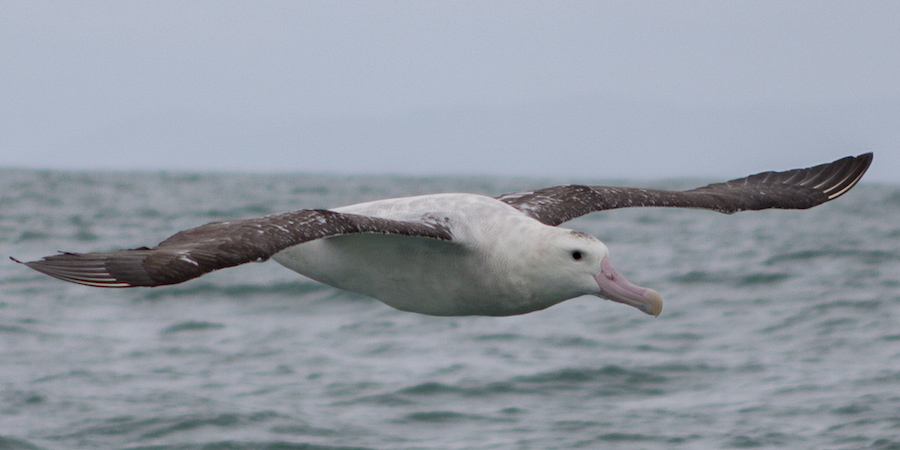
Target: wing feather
194,252
792,189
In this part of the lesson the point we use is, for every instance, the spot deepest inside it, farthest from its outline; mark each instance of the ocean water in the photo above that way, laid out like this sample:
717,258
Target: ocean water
781,329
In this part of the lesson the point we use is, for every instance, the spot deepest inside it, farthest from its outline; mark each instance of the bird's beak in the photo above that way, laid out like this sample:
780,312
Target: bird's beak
615,287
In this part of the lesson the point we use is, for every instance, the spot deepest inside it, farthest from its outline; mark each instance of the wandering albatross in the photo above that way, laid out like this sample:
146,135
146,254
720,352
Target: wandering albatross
450,254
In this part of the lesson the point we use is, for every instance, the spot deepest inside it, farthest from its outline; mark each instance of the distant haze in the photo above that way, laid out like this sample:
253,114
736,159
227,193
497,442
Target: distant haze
564,89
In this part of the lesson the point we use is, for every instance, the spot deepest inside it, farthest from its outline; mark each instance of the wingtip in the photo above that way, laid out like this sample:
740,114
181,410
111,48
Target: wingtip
858,166
865,159
75,268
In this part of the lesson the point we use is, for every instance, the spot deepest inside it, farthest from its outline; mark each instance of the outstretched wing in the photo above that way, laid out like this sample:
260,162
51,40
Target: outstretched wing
793,189
194,252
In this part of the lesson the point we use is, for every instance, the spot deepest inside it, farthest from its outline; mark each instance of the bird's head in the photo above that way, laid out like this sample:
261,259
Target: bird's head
586,262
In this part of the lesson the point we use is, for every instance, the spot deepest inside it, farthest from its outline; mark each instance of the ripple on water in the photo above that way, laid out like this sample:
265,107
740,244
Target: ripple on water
449,417
191,325
610,380
181,427
731,278
865,256
8,443
293,289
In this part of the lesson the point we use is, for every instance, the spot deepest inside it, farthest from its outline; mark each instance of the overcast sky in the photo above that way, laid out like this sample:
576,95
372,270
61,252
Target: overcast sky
564,89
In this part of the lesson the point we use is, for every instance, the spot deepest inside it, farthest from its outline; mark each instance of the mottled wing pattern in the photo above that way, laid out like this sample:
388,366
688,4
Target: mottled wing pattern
792,189
191,253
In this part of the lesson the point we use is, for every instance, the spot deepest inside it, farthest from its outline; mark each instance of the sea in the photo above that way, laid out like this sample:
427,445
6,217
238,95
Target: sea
781,329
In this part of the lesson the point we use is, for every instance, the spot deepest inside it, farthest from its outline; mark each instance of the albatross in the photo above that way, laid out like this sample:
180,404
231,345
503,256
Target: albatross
450,254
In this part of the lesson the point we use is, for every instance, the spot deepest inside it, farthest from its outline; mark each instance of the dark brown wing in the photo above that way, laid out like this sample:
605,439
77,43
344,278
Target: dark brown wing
793,189
191,253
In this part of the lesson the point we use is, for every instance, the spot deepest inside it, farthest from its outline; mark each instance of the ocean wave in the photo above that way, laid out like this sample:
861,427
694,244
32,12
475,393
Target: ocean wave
828,315
293,288
191,325
9,443
611,380
865,256
446,417
249,445
130,429
731,278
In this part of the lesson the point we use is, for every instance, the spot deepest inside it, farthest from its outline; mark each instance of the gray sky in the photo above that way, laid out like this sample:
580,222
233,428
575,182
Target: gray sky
583,89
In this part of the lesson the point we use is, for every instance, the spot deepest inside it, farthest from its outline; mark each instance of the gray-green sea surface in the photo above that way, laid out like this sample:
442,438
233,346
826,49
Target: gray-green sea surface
781,329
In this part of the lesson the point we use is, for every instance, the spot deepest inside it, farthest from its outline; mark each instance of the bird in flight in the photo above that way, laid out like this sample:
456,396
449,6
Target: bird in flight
451,254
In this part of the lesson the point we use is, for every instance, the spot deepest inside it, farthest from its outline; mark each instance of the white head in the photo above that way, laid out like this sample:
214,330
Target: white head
580,266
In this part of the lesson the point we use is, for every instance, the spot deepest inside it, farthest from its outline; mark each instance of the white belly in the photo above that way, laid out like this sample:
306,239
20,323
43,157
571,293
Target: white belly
422,275
469,276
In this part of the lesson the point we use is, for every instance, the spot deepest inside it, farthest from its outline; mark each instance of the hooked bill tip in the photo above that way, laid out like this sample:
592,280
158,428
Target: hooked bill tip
654,302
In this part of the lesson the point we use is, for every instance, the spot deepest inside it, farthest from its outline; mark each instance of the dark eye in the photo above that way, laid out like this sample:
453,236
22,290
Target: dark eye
576,255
